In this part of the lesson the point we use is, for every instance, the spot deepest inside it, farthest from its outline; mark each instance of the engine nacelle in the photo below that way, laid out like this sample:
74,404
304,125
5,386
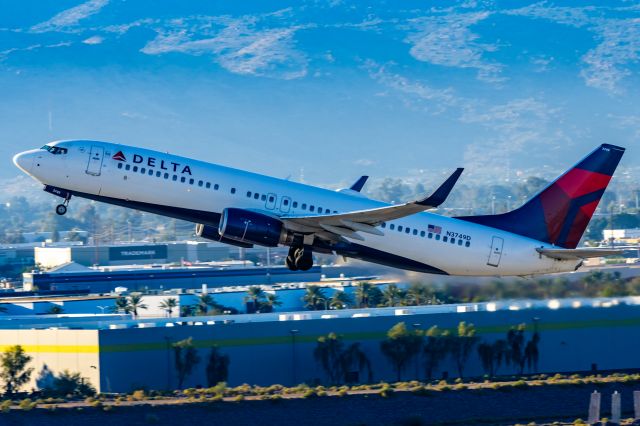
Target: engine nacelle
211,233
250,227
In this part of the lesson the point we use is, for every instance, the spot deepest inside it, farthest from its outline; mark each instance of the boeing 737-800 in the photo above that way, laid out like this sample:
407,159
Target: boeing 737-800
245,209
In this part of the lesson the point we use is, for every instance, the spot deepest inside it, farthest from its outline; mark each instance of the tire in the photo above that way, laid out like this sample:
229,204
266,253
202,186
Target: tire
304,259
291,263
61,209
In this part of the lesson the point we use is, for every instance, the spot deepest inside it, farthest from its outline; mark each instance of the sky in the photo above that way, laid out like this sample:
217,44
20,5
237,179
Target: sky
324,91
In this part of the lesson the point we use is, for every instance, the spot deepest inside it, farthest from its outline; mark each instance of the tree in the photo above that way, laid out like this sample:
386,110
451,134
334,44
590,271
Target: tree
515,342
363,290
187,310
217,367
13,369
67,383
392,295
121,305
462,345
271,301
186,358
205,301
400,347
314,298
354,359
169,304
435,349
340,300
135,303
255,294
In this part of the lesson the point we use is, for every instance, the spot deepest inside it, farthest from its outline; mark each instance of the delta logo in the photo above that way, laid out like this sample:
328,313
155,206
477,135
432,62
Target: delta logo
119,156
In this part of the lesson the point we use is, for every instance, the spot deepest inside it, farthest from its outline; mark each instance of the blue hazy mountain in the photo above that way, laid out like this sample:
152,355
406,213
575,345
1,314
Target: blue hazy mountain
329,89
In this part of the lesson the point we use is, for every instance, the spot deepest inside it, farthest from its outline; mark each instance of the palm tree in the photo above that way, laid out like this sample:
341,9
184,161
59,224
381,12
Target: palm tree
353,358
392,295
271,301
187,310
340,300
314,298
135,303
435,349
186,358
255,294
168,305
121,305
363,290
419,294
205,301
327,353
400,347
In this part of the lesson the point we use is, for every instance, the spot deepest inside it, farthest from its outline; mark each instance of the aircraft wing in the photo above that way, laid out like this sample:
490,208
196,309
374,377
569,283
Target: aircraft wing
577,254
349,223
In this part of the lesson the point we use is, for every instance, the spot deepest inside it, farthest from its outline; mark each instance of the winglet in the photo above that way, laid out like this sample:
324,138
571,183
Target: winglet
357,186
441,194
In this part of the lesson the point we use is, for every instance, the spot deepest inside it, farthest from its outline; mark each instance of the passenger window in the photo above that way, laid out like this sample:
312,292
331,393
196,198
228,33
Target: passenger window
150,172
383,225
295,204
430,235
166,175
459,242
158,174
392,226
422,233
319,209
467,244
208,185
175,178
437,237
312,208
127,167
216,186
415,232
445,238
143,170
256,196
200,183
453,241
271,199
335,211
135,168
285,202
233,190
304,206
407,230
248,194
119,165
183,179
399,228
191,181
263,197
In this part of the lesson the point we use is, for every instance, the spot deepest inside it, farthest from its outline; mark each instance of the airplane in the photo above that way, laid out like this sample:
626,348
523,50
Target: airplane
245,209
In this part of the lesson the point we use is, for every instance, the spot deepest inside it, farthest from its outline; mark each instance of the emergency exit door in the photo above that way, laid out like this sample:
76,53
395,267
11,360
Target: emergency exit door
496,251
96,156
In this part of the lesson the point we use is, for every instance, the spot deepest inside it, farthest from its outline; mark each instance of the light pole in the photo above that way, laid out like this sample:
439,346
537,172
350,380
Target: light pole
293,356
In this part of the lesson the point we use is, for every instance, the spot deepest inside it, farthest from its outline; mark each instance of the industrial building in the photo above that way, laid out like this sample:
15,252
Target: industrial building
576,335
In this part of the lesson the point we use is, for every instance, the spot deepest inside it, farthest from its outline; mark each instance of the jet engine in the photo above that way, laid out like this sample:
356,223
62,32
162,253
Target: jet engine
211,233
251,227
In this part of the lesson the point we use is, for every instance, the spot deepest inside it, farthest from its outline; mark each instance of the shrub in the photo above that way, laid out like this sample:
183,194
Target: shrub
5,406
107,408
139,395
310,393
239,398
27,405
578,422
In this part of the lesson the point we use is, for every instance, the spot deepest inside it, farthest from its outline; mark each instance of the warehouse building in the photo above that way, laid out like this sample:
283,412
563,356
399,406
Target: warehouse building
576,335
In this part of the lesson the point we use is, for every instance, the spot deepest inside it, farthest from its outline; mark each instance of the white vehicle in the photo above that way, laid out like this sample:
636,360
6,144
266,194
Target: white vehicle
245,209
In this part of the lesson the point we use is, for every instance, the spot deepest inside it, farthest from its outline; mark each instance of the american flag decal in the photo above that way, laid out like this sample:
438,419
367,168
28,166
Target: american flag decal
434,229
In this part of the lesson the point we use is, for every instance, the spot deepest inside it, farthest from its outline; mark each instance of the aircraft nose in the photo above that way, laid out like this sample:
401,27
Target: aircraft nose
24,161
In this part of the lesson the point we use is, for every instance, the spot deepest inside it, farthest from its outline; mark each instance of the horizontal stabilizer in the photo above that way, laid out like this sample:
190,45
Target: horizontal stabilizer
577,254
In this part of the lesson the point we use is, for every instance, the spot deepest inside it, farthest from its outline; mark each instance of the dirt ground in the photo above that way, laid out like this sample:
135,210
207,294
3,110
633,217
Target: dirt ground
542,405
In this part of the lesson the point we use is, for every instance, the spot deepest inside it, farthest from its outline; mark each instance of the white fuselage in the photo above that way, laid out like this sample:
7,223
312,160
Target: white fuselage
169,181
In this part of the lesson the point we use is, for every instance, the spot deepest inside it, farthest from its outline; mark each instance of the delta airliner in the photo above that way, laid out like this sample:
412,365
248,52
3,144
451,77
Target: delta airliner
246,209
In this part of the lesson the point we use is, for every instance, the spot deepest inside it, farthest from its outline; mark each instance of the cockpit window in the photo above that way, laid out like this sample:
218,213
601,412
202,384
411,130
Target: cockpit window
55,150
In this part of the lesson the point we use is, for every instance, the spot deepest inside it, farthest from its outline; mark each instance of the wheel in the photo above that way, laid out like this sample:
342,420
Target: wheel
304,259
291,263
61,209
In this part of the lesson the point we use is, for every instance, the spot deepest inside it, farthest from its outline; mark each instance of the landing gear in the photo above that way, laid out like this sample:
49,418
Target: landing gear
61,209
299,258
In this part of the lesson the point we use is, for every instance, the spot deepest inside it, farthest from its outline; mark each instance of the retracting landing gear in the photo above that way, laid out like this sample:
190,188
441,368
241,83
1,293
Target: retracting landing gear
299,258
61,209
